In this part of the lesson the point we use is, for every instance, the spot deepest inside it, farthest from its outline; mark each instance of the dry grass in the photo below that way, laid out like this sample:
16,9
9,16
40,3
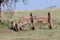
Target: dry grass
38,34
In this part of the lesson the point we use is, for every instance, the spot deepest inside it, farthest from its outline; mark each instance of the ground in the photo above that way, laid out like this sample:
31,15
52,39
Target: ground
38,34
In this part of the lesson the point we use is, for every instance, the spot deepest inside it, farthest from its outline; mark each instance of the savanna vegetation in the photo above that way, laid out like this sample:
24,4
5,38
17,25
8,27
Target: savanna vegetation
38,34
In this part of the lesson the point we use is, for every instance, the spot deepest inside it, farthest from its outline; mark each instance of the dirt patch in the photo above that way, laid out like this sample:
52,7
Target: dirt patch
6,31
